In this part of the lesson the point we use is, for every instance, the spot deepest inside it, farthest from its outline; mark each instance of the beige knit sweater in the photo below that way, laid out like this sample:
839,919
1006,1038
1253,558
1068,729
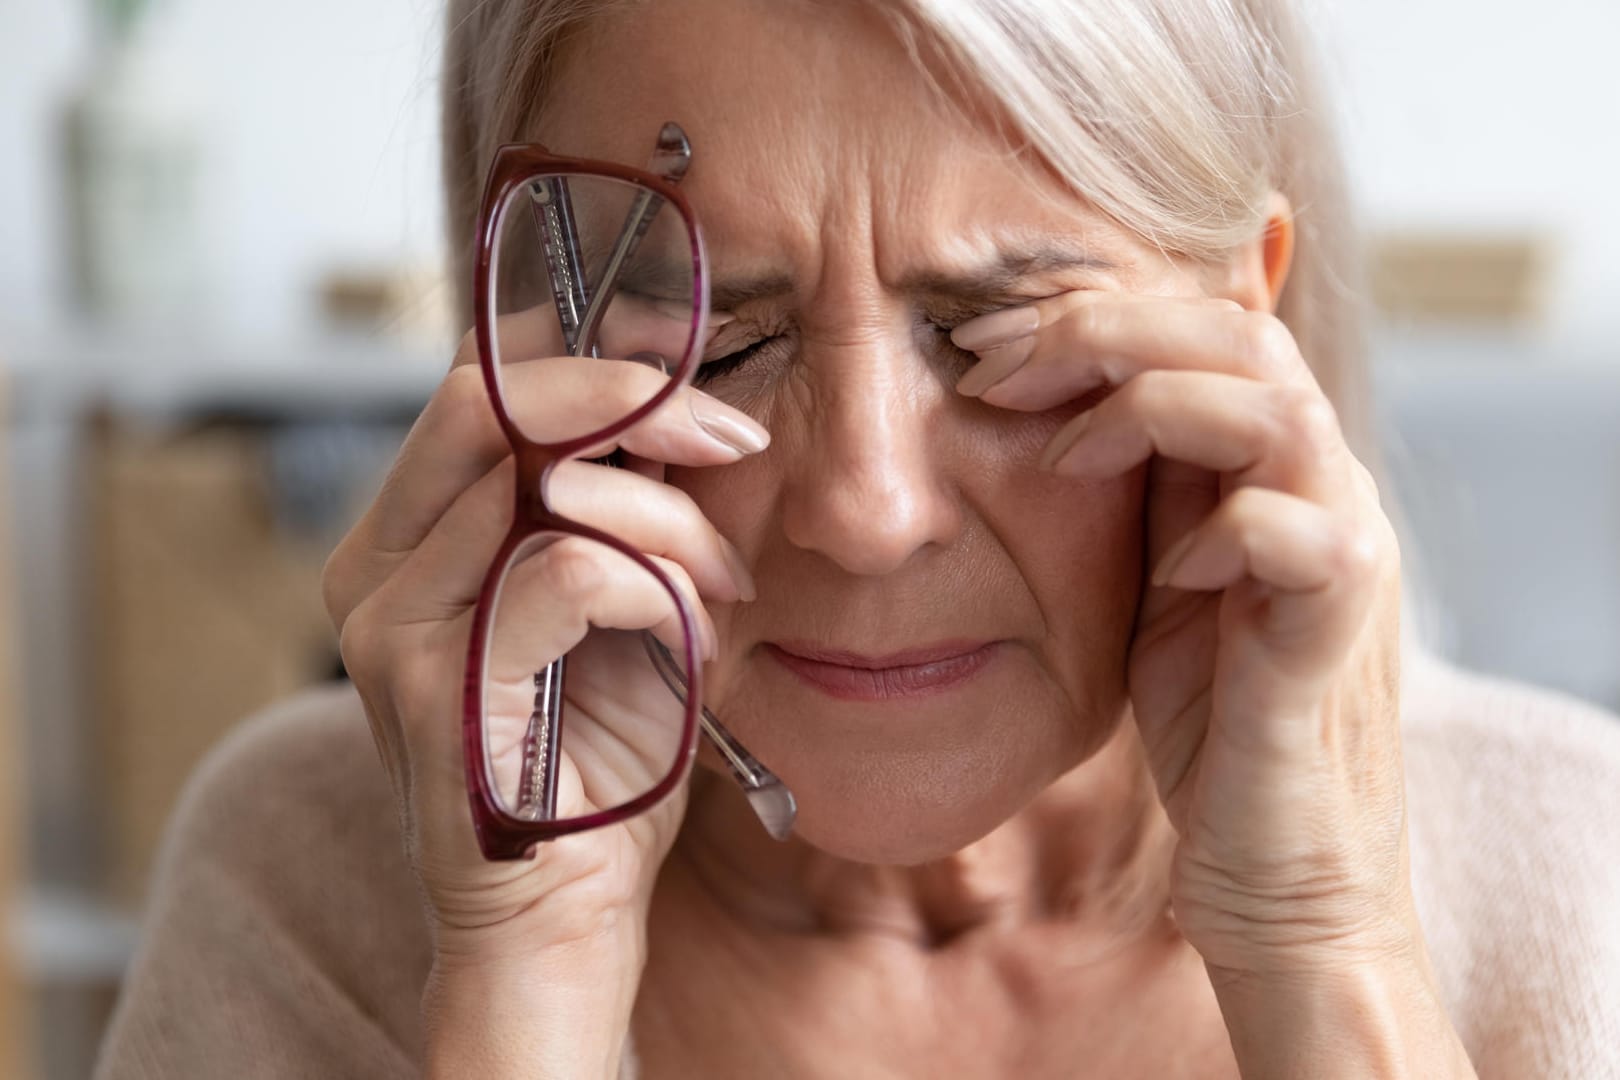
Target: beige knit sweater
284,937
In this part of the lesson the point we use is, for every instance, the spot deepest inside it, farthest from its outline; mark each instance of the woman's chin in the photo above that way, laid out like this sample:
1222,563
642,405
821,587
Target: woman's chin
907,808
903,781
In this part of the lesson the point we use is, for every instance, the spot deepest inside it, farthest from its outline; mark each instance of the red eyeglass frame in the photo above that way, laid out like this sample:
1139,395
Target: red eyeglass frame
500,834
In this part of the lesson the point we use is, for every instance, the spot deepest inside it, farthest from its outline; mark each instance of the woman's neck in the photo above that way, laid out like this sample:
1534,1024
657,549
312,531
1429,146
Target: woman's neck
1092,849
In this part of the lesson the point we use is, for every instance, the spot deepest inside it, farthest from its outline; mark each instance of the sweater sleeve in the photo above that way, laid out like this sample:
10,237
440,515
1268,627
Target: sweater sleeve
283,935
1514,803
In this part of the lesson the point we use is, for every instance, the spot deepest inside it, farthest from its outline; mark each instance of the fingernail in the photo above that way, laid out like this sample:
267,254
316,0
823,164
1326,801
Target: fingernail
734,429
739,570
1065,441
681,311
996,328
711,642
1173,559
650,359
994,366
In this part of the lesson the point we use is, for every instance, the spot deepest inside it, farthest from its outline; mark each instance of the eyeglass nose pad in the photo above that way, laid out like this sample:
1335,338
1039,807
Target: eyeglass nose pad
650,359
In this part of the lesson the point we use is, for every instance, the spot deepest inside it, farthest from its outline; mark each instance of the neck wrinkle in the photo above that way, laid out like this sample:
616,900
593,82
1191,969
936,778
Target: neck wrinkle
1093,850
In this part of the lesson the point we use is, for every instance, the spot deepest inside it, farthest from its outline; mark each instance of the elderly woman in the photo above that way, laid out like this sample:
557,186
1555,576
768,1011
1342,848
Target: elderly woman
953,416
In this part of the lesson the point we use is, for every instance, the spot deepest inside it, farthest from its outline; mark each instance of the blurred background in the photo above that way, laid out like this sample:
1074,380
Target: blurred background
220,307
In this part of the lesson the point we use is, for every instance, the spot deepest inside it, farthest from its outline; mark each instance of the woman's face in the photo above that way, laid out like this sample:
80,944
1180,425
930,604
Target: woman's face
890,514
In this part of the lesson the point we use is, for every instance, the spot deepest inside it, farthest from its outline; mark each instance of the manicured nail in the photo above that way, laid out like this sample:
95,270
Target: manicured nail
711,642
681,311
739,570
649,359
1059,447
716,322
1173,559
736,430
995,366
996,328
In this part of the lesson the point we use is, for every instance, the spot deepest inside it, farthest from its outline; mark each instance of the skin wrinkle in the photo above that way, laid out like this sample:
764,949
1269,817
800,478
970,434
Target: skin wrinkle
884,492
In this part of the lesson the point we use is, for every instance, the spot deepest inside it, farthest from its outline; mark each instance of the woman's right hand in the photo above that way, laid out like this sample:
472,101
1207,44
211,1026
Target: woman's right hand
401,589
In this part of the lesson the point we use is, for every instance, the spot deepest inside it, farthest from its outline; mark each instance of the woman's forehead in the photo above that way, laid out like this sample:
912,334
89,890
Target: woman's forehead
816,142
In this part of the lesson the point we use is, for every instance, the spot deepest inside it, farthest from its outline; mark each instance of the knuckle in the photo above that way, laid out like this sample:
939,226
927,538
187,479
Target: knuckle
361,645
684,507
334,585
458,414
463,401
1307,417
1383,539
420,690
1147,389
632,386
1245,505
681,579
1358,551
467,352
571,569
1245,515
1090,322
1367,481
1268,344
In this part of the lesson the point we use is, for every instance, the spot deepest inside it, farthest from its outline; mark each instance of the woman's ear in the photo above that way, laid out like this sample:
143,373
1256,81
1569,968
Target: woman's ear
1258,270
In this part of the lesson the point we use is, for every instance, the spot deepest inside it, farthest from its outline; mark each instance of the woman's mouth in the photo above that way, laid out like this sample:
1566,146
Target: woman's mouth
911,673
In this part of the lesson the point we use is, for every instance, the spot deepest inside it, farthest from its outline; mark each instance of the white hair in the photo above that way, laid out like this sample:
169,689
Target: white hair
1176,118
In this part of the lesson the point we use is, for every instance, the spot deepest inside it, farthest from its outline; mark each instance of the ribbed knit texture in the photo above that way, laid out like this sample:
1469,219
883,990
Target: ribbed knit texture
285,937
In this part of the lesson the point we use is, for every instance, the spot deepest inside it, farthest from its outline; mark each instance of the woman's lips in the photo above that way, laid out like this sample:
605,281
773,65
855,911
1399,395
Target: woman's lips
908,674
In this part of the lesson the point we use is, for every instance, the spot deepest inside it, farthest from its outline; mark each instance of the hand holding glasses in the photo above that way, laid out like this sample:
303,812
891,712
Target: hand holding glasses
589,275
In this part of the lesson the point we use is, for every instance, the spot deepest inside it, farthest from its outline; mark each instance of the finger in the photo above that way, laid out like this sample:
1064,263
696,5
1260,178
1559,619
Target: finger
1178,498
1076,342
653,517
555,590
446,572
1316,567
520,335
1263,434
456,441
551,595
632,324
554,399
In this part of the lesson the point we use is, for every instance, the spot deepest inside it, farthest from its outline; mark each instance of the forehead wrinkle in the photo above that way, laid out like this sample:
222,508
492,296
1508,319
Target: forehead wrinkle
849,190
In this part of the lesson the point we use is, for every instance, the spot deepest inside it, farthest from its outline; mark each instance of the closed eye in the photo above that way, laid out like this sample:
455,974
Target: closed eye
727,363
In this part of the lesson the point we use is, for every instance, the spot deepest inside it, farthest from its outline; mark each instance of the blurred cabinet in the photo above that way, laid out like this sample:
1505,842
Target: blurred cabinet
15,1048
173,503
205,612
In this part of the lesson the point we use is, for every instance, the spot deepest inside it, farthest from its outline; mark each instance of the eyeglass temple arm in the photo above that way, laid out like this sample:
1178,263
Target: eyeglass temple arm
553,212
773,803
580,308
671,157
580,314
554,220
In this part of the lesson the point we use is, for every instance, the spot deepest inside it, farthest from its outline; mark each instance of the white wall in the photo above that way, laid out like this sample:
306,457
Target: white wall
1493,111
323,118
321,121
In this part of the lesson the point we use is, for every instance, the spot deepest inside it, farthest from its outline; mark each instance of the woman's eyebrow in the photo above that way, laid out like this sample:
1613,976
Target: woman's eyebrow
731,293
669,279
994,277
1005,270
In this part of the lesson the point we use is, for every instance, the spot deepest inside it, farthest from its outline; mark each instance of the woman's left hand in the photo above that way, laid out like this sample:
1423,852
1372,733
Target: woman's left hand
1264,668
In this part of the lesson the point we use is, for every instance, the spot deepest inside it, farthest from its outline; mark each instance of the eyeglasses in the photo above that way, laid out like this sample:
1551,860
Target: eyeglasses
591,285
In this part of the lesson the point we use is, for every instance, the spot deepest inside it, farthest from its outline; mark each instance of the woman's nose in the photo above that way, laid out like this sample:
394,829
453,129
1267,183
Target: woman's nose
868,489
